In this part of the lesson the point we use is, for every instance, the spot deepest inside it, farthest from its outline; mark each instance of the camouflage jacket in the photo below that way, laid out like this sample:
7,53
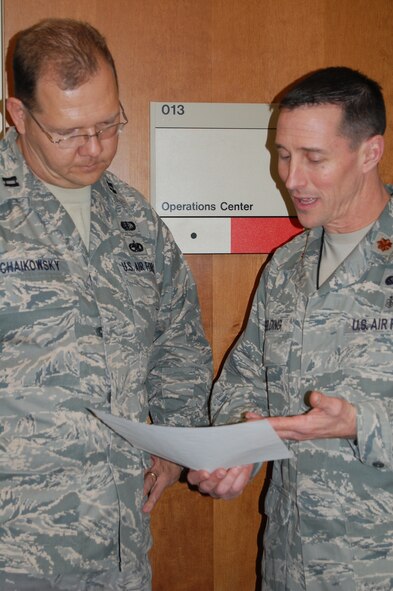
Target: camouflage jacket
117,329
330,508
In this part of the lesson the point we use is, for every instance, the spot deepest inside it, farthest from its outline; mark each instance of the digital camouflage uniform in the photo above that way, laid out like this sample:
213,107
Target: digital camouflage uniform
330,508
117,329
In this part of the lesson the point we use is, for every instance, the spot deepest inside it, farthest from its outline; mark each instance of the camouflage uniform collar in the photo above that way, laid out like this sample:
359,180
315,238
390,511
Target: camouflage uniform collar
18,180
377,244
381,234
374,250
13,167
382,228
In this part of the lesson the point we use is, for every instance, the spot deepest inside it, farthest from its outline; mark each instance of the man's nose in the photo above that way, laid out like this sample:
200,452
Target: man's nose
93,146
295,177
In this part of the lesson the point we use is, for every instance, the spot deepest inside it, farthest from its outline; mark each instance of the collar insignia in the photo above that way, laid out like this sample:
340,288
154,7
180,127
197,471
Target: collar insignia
383,244
10,181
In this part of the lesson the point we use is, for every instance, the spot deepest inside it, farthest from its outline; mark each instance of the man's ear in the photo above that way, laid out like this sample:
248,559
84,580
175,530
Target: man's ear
17,113
372,150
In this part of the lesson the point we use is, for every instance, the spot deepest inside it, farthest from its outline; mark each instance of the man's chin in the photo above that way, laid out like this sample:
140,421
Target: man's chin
308,221
87,175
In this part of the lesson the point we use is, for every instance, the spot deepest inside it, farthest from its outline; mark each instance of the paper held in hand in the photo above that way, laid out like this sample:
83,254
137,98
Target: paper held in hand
203,448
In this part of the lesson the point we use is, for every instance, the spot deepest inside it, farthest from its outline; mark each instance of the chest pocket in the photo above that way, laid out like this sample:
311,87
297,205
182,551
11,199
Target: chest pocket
37,328
277,346
141,290
368,344
278,338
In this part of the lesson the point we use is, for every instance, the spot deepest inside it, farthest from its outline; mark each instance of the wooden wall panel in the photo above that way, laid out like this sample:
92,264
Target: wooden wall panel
222,51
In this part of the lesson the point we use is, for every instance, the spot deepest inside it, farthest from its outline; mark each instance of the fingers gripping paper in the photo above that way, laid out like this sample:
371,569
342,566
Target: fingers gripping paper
203,448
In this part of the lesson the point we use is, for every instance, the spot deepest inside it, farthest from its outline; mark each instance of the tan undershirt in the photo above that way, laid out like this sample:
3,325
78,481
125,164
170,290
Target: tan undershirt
77,204
336,248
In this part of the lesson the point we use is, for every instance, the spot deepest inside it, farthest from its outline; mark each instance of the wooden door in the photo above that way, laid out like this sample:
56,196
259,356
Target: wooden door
221,51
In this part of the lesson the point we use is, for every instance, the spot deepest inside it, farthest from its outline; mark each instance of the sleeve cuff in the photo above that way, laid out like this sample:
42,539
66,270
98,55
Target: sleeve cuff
373,445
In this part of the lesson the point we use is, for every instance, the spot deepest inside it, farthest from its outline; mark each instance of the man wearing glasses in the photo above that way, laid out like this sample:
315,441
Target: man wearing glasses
97,311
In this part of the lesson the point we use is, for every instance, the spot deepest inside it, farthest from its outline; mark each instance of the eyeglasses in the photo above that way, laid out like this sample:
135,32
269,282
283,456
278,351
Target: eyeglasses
78,140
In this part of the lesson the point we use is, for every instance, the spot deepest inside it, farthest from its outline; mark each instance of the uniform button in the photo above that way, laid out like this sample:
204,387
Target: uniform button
99,332
378,464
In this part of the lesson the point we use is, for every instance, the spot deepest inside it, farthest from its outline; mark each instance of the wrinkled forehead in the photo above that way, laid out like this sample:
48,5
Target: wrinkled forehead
94,101
57,78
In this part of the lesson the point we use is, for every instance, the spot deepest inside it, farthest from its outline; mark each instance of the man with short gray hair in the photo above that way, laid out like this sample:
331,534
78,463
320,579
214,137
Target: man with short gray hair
98,311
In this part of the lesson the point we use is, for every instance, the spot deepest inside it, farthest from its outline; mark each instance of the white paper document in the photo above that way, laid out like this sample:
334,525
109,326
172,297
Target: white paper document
203,448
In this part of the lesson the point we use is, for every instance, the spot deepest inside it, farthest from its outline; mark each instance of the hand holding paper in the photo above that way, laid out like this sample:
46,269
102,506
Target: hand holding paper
203,448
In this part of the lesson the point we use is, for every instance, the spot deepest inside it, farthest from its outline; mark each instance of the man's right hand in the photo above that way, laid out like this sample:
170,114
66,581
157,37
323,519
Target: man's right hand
222,483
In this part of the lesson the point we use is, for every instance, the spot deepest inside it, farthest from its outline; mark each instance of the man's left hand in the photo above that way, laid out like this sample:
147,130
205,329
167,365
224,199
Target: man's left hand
158,477
329,417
